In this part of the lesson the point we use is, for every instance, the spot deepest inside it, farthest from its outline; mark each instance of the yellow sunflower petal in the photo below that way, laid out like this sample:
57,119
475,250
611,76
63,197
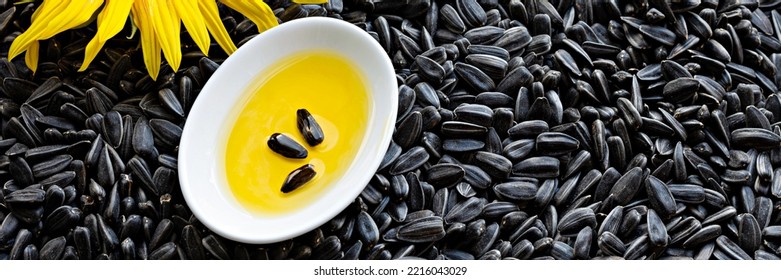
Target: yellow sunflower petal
166,24
310,1
211,15
176,25
149,45
42,17
113,17
194,22
37,11
110,21
257,11
77,13
31,53
31,57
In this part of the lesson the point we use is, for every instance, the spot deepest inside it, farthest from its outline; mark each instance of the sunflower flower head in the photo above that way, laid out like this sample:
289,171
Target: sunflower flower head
158,22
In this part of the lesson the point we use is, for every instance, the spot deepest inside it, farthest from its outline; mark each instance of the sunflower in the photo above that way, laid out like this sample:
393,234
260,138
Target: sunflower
158,22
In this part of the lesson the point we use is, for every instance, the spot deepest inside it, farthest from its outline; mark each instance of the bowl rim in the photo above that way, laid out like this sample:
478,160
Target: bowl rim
201,207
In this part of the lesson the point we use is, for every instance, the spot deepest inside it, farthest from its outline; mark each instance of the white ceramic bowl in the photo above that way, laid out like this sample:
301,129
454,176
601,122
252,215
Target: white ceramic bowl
203,179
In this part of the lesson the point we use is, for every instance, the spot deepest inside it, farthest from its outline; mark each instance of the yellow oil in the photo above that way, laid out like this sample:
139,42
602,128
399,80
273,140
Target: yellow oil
334,92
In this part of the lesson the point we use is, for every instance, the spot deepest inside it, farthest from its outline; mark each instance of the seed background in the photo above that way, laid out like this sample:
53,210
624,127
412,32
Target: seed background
572,129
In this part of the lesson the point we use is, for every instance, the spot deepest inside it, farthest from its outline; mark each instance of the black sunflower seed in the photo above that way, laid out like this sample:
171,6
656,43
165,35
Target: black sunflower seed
298,178
410,160
286,146
421,230
538,167
574,220
309,127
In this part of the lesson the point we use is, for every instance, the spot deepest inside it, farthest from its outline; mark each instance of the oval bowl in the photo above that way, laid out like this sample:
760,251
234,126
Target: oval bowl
202,178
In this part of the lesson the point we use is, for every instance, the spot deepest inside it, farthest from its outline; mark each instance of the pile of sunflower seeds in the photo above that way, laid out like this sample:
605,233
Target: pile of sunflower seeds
571,129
